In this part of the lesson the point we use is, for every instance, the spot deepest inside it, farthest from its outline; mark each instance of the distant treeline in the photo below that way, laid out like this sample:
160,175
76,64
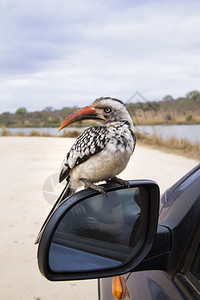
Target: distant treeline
48,117
183,110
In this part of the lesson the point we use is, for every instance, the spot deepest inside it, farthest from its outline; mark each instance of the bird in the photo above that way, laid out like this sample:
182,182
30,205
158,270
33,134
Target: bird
102,151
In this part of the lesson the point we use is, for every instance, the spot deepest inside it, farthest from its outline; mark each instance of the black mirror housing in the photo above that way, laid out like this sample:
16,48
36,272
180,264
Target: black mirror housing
91,235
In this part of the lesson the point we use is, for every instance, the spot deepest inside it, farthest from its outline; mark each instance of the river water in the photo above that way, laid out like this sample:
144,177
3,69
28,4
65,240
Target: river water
189,132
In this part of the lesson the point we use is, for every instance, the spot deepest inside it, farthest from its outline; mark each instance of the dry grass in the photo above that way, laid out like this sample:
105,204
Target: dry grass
71,133
34,133
5,132
37,133
19,133
169,116
181,147
45,134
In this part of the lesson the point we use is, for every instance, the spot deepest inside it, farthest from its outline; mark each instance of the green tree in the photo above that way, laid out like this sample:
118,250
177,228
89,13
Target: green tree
20,113
193,94
168,98
48,108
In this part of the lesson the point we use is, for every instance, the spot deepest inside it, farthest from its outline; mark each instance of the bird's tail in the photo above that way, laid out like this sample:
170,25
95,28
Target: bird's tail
66,192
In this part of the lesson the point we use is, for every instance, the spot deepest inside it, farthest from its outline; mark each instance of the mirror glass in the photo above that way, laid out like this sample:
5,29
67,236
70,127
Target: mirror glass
100,232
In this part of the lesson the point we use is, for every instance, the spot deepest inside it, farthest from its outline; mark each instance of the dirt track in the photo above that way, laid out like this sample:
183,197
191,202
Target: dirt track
27,164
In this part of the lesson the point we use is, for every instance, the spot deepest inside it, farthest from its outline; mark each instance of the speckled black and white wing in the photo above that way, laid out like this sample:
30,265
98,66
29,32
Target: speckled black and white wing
90,142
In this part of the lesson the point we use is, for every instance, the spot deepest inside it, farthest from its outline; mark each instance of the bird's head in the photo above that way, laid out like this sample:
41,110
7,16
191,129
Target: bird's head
105,109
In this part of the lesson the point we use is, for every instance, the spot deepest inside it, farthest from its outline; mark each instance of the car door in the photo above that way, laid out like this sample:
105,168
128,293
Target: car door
188,280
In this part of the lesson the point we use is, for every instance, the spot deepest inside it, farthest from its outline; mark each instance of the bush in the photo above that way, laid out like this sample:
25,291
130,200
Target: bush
5,132
46,134
19,133
34,133
71,133
189,118
168,117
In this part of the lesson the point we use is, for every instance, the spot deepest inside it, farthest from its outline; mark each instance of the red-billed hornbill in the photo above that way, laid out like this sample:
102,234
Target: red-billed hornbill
100,152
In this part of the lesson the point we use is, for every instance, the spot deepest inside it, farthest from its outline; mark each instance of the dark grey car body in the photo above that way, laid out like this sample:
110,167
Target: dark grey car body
180,215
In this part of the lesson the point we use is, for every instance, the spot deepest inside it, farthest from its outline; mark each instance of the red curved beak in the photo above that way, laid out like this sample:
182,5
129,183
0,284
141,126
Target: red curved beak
87,112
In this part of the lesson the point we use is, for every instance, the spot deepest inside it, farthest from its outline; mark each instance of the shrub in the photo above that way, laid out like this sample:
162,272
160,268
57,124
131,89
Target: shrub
4,131
71,133
189,118
34,133
19,133
46,134
168,117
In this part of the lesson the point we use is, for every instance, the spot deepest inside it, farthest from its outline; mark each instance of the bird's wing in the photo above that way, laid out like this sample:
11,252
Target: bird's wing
89,143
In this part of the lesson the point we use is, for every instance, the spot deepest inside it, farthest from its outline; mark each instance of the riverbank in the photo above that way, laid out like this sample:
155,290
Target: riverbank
170,145
26,164
149,122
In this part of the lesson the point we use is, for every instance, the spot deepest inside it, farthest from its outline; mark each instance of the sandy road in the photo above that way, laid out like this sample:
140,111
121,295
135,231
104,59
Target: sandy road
26,163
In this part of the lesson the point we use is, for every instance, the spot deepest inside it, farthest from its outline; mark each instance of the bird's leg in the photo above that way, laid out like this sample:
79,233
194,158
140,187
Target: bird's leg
89,184
119,181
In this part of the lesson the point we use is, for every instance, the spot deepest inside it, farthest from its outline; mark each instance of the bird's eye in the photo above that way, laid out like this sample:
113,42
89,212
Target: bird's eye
107,109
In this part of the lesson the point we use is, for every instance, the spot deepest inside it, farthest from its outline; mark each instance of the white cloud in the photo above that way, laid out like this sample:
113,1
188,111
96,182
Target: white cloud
59,53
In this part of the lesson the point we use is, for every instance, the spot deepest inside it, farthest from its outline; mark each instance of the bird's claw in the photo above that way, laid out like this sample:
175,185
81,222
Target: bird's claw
91,185
120,181
101,190
126,183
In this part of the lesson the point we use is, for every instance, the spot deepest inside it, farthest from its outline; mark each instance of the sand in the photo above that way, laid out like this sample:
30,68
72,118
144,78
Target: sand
28,188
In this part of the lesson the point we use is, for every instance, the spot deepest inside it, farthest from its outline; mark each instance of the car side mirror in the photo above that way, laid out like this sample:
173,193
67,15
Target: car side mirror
91,235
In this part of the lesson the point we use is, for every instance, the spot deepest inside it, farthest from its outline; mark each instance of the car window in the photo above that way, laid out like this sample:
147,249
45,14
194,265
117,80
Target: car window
195,268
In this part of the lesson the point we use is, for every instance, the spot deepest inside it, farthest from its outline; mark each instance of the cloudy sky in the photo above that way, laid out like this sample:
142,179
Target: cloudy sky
64,53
